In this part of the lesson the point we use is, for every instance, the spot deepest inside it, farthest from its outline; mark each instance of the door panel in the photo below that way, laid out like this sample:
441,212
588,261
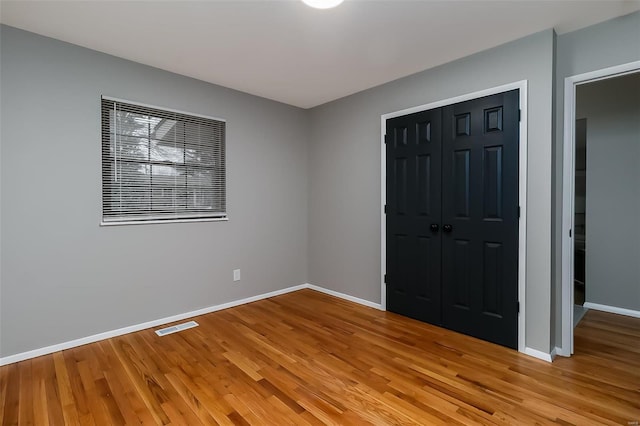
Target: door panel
460,281
400,175
480,202
461,170
493,178
424,184
414,204
492,282
427,251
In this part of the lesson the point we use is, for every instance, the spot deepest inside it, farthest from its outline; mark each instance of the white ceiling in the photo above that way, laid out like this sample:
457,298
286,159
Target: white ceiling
286,51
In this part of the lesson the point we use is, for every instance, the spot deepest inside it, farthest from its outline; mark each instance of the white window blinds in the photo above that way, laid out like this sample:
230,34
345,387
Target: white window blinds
160,165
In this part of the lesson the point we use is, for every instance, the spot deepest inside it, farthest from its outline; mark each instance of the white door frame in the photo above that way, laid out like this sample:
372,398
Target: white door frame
568,189
522,190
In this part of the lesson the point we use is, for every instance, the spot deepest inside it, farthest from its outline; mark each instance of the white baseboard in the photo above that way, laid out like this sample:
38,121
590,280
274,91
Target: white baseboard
346,297
560,351
612,309
155,323
133,328
539,354
130,329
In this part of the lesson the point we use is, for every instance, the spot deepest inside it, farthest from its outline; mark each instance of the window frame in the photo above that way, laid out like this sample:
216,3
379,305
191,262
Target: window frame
222,217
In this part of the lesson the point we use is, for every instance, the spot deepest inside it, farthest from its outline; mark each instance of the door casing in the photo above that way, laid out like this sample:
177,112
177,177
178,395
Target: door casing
568,190
522,192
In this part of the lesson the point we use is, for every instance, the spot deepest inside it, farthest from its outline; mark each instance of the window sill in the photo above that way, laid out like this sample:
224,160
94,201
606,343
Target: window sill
150,222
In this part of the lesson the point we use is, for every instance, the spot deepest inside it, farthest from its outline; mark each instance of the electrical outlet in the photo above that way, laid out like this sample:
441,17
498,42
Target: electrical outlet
236,274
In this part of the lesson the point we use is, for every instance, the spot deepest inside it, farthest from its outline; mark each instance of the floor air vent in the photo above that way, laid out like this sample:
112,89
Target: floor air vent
176,328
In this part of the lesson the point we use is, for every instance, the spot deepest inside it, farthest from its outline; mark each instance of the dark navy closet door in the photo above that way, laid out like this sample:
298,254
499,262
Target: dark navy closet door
452,217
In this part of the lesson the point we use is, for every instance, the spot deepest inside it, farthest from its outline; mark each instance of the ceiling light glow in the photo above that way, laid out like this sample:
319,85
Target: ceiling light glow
322,4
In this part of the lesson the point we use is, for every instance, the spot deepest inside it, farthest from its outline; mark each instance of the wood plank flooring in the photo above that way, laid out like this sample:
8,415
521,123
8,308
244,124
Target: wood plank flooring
306,358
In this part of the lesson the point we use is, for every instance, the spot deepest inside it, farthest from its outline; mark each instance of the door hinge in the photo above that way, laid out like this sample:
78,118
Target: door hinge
519,115
385,278
569,233
518,212
518,307
385,209
386,139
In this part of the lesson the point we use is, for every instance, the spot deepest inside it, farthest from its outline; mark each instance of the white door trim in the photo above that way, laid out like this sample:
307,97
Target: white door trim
522,230
568,190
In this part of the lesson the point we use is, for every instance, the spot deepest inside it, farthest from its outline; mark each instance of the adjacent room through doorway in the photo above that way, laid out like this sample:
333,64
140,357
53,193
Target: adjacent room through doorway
607,196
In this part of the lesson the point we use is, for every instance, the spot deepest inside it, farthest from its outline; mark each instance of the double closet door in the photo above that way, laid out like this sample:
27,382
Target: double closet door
452,217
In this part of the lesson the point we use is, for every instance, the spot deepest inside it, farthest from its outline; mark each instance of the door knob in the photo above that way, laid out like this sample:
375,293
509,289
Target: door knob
447,228
434,227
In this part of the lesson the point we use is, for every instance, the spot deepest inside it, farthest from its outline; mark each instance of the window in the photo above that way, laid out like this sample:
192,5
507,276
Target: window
160,165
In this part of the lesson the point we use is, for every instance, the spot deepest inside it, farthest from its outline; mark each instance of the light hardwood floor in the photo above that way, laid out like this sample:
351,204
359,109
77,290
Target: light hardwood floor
308,358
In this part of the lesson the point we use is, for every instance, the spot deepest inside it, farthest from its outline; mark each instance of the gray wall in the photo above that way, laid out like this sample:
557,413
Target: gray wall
344,171
304,186
64,277
612,110
600,46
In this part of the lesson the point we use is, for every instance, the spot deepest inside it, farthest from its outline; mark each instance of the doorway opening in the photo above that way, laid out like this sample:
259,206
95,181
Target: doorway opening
601,197
579,221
